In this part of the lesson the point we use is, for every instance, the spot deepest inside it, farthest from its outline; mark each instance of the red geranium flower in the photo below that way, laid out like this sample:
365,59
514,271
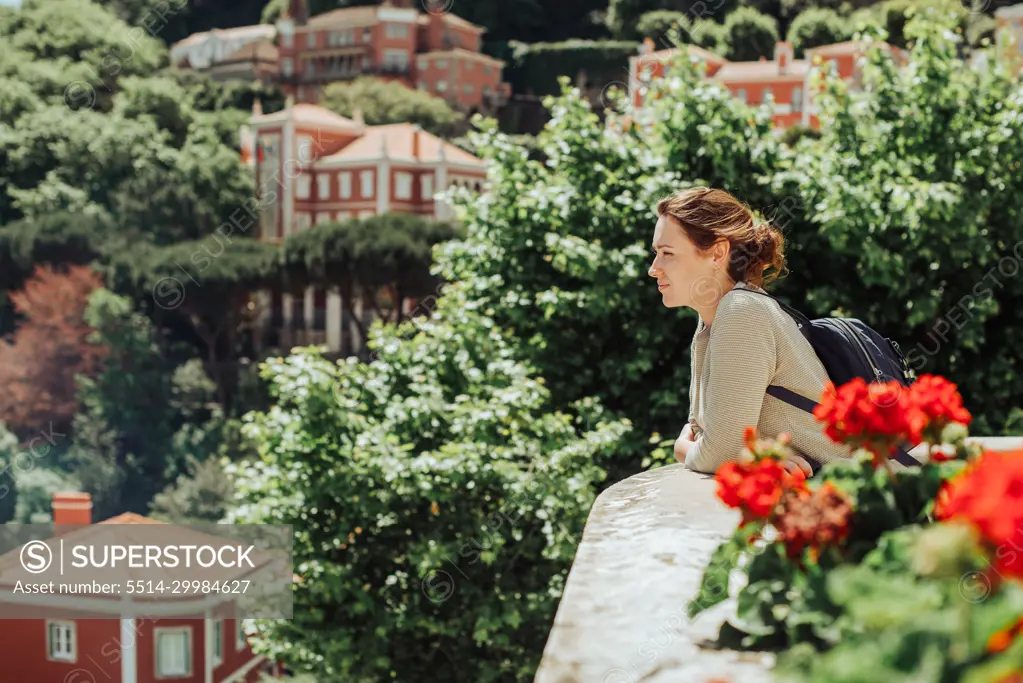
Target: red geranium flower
989,495
814,519
754,487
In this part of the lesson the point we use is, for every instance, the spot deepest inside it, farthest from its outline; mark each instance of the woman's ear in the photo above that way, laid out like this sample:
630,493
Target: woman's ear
722,250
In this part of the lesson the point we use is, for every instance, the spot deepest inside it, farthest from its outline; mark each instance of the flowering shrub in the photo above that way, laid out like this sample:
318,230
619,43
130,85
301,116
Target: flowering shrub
868,572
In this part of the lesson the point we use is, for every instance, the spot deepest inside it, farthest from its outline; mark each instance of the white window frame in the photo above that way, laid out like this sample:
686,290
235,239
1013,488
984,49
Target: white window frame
310,39
322,186
344,216
403,185
189,657
241,639
486,69
367,35
442,63
741,94
426,186
367,213
797,99
422,63
287,66
302,186
322,217
367,179
765,93
442,86
218,641
423,85
396,57
70,652
303,220
395,30
344,184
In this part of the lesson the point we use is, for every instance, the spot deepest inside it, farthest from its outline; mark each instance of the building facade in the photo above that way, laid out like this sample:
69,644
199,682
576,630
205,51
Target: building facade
314,167
122,650
1009,35
783,80
438,53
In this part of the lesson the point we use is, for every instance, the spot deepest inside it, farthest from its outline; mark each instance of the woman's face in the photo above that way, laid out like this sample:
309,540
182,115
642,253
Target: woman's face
685,276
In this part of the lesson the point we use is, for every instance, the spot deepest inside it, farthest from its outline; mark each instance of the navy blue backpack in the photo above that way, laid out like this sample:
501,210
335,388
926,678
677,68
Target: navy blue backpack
847,348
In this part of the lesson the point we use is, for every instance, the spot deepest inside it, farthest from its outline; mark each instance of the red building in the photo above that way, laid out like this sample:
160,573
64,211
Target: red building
437,52
783,79
121,650
313,167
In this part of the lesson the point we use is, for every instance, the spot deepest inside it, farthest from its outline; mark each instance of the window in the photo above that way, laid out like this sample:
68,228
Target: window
467,88
305,149
302,187
218,641
426,186
322,186
367,35
60,641
422,63
797,99
767,94
302,221
287,68
422,85
366,213
344,181
396,30
442,86
741,94
403,186
322,217
173,651
486,69
310,39
366,184
344,215
396,59
285,39
240,639
442,63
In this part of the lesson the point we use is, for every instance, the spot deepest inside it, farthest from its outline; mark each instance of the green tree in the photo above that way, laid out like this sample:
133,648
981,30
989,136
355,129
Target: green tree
749,35
200,495
363,258
817,26
383,102
436,502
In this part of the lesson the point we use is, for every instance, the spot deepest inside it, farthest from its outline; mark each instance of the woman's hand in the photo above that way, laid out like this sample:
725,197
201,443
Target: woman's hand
795,462
685,439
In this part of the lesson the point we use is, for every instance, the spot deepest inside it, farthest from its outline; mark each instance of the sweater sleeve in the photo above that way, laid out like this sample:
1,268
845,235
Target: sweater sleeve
742,357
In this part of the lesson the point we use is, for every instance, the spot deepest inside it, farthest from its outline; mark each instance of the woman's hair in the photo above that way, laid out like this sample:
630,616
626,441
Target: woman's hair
708,215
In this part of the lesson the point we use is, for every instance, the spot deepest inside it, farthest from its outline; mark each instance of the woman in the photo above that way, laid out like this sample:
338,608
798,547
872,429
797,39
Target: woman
708,247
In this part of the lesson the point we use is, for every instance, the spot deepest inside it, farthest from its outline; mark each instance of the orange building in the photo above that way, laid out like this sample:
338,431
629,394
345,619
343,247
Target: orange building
783,79
436,52
118,649
313,166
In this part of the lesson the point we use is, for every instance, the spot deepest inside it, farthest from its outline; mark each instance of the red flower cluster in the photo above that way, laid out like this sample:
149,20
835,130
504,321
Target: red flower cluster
813,519
879,416
755,487
989,495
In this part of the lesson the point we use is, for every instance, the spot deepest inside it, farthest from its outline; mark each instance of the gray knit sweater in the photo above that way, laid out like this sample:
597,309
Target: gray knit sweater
752,343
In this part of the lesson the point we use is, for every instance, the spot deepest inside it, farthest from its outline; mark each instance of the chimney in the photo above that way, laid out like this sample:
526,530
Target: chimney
415,141
72,508
783,56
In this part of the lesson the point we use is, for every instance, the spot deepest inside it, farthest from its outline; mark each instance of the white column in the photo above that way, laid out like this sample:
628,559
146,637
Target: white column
334,331
357,340
129,652
440,183
207,628
285,331
383,179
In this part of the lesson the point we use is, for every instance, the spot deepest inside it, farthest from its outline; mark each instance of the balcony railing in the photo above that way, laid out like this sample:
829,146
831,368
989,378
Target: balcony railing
622,617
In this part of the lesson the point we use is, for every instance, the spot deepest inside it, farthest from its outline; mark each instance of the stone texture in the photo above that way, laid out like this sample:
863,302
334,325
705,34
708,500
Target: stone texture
622,618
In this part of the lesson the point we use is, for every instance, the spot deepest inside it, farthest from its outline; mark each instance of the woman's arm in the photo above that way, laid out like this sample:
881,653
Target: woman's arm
742,355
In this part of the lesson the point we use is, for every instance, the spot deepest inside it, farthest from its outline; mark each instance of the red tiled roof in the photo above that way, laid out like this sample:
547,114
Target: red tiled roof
398,138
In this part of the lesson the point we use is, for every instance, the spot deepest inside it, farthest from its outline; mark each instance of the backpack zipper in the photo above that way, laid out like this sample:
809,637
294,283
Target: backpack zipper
852,332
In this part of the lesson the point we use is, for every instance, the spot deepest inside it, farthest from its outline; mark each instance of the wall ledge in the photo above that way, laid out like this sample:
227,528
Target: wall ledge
622,618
